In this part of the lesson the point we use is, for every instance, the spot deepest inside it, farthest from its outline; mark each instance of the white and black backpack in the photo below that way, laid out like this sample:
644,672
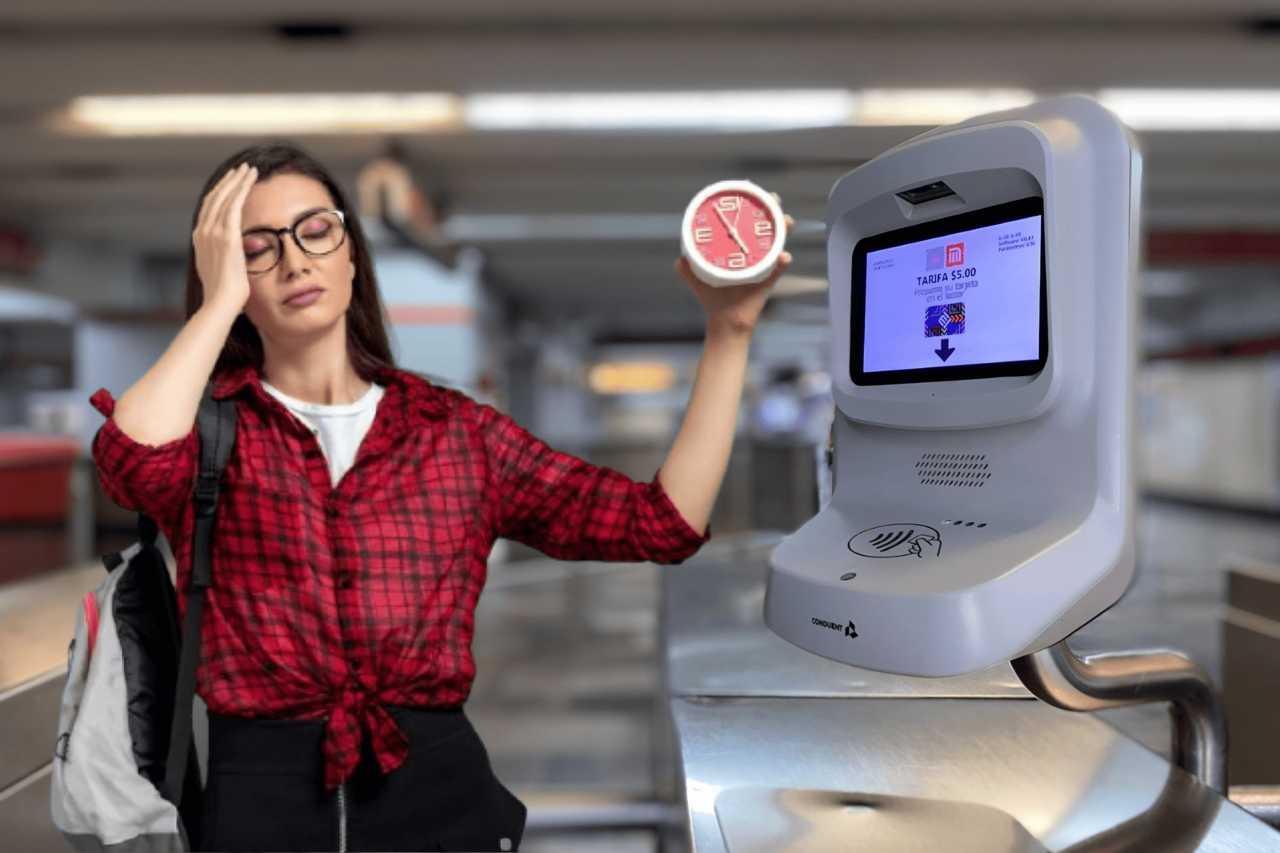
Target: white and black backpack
125,776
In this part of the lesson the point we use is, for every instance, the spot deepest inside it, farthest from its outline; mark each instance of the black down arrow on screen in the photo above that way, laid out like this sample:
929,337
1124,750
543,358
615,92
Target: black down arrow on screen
945,352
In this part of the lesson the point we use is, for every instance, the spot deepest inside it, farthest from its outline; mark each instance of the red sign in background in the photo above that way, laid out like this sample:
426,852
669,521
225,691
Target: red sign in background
1192,248
18,254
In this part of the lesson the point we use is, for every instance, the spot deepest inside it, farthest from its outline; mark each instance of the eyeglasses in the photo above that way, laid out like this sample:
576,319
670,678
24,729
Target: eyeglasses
315,234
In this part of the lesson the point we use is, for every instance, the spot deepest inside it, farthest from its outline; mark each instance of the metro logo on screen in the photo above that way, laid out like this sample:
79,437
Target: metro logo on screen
944,320
955,254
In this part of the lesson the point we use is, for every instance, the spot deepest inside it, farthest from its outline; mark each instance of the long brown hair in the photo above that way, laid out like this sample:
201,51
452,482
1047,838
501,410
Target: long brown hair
367,343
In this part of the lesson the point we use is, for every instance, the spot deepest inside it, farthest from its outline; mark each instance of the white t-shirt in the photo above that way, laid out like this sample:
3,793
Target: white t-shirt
339,429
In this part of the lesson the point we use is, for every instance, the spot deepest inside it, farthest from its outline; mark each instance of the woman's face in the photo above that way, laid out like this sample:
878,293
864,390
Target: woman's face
303,296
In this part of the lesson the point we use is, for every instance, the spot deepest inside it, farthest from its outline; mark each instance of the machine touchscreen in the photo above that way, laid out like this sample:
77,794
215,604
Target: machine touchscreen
958,298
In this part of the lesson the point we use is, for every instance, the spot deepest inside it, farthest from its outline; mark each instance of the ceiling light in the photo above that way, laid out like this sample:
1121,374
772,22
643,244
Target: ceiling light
233,115
774,109
1195,109
482,228
930,107
634,377
745,110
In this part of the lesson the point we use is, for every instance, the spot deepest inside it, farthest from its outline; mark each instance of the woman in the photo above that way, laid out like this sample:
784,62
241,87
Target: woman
358,508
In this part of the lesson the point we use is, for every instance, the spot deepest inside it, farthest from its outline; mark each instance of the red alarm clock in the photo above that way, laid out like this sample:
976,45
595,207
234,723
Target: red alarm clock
733,233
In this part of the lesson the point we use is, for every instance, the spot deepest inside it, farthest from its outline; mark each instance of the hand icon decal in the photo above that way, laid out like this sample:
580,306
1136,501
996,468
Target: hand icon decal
922,545
905,539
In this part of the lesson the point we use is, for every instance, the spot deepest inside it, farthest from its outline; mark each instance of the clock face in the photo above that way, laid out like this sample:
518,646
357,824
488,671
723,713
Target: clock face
733,230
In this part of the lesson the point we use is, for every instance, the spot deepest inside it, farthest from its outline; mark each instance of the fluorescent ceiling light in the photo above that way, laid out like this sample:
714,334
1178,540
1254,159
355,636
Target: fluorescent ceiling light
572,226
635,377
742,110
1195,109
213,115
930,107
710,111
775,109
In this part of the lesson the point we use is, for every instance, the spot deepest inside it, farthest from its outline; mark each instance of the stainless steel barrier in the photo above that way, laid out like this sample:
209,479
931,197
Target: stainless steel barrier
780,749
1057,676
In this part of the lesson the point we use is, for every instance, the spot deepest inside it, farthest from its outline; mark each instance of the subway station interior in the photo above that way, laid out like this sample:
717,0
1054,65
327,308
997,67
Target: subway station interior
521,169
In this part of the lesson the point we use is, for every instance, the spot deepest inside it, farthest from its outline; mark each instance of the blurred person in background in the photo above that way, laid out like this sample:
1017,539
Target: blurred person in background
358,509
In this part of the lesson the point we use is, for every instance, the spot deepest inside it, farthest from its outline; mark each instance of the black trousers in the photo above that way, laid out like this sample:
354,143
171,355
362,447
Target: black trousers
265,790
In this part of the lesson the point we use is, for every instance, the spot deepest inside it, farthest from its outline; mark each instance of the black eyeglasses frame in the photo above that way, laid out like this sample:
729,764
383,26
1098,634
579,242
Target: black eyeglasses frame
292,231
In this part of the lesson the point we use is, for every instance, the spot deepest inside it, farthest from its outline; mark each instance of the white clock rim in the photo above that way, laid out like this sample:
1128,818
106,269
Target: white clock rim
749,275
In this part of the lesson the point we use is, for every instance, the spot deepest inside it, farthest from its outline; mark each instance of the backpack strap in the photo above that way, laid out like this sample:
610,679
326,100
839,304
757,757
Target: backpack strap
217,423
148,531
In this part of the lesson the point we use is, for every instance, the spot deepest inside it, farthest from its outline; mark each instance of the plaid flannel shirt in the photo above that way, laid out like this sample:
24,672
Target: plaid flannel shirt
332,602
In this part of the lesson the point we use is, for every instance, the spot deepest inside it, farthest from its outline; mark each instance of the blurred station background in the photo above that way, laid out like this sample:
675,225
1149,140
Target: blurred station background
522,166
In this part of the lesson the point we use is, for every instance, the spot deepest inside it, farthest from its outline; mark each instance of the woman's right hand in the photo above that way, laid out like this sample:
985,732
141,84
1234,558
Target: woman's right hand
217,241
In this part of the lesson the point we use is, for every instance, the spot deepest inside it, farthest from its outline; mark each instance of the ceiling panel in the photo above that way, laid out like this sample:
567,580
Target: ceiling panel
139,194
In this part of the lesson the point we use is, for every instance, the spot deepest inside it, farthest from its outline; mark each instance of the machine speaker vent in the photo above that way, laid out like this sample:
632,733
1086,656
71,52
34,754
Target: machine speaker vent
966,470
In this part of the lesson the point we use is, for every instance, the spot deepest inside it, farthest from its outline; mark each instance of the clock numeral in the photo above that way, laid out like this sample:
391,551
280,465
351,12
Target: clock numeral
729,203
764,229
702,235
737,261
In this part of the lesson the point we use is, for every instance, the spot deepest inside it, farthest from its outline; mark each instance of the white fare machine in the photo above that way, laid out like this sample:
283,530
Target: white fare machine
982,359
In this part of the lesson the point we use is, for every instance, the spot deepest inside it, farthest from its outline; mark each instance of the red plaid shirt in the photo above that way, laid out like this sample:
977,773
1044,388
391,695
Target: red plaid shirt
331,602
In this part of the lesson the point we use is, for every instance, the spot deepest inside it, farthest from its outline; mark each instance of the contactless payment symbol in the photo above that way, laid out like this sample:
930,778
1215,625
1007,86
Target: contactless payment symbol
955,254
944,320
897,540
934,258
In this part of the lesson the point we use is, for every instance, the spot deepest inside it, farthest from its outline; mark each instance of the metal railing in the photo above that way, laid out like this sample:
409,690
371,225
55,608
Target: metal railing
1183,812
1111,680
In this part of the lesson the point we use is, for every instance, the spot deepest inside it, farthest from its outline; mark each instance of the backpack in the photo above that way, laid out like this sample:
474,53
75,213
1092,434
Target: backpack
125,776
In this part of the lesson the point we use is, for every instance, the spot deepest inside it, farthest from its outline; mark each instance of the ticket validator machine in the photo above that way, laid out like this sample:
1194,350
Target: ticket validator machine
982,335
982,350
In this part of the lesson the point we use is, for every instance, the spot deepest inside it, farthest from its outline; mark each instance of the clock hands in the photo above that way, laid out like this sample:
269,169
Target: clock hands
733,232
